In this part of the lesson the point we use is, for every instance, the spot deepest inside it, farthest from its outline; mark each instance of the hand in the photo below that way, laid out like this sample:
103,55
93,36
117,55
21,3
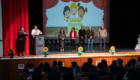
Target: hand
40,32
27,33
81,37
24,32
90,37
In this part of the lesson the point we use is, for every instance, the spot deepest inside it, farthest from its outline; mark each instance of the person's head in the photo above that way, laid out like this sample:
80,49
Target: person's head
59,63
104,62
100,66
54,63
26,68
132,75
53,75
47,67
73,9
66,12
137,65
30,66
114,62
82,27
21,28
119,62
90,61
89,27
68,74
35,27
93,75
41,65
138,59
132,61
36,75
81,11
74,64
102,27
85,67
73,29
77,71
62,30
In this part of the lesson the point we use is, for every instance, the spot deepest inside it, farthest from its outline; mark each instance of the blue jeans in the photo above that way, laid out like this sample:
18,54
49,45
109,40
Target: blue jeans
90,42
102,40
83,41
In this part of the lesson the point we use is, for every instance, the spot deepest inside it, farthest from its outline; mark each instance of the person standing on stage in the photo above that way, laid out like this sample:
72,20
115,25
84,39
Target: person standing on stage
35,31
82,33
90,36
62,37
22,40
102,34
73,38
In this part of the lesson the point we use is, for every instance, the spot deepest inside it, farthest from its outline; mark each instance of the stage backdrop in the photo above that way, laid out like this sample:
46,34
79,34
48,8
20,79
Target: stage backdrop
66,14
14,15
1,51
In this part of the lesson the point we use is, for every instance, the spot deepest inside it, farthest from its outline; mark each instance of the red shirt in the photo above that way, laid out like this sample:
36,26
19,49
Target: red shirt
74,35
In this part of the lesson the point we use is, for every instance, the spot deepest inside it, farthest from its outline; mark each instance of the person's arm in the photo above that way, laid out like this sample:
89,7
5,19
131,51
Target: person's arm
70,35
88,34
20,33
79,33
65,36
40,32
93,34
75,35
59,36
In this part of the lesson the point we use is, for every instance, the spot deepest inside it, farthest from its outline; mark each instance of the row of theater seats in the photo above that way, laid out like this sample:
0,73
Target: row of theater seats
54,44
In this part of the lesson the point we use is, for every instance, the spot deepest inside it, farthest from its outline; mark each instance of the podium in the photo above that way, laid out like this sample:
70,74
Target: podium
38,44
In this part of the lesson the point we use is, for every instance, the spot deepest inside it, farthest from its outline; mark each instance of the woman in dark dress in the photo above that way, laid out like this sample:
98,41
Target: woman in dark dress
22,39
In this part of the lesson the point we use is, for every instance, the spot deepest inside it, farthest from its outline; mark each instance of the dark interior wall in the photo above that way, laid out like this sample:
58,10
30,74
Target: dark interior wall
124,23
35,14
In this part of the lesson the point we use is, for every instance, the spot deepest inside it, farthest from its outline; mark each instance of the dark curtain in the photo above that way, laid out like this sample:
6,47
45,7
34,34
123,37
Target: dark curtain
14,15
124,23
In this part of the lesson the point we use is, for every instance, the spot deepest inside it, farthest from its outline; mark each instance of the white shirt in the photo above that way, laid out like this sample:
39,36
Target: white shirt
33,31
72,34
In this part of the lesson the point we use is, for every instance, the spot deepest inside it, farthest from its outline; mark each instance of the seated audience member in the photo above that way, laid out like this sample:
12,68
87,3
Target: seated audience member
78,72
120,71
138,59
26,68
68,74
54,64
60,67
137,65
93,75
101,70
104,62
131,74
113,67
53,75
73,64
90,63
30,69
47,68
41,67
36,75
128,64
132,64
85,67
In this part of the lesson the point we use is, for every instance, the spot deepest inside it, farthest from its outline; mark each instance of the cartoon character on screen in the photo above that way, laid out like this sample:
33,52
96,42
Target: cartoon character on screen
73,10
81,11
66,13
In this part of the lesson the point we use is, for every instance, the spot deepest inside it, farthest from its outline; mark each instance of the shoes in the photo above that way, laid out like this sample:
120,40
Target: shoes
20,54
23,53
74,51
63,50
88,51
92,50
100,50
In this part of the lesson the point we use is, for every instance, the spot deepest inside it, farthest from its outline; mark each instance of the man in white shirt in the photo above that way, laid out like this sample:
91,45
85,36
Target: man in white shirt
35,31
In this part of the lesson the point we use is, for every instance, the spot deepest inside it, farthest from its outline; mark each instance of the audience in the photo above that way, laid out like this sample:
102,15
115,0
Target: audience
132,64
68,74
78,72
101,70
93,75
138,59
104,62
53,75
36,75
30,68
90,63
54,64
130,72
60,67
47,68
85,67
73,64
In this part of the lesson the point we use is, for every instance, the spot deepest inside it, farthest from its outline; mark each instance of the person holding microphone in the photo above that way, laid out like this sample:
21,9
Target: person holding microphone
22,39
62,37
73,39
35,31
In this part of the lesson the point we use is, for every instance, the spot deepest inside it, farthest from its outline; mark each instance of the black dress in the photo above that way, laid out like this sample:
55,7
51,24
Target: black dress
22,40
